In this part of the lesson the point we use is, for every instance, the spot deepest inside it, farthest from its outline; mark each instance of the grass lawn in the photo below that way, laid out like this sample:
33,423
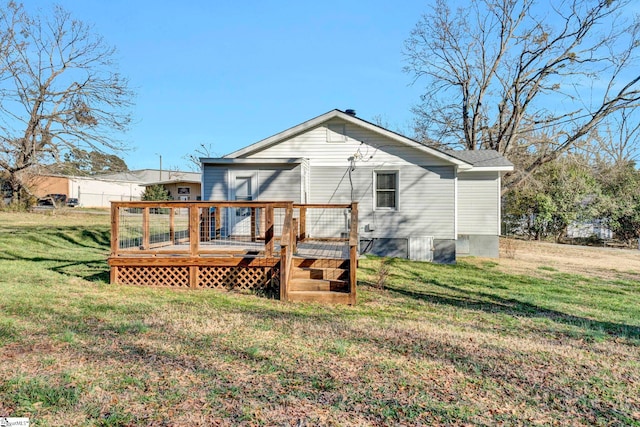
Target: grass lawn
465,344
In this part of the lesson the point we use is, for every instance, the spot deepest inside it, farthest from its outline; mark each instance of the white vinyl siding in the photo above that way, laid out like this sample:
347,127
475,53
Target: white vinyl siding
366,147
426,200
280,183
214,183
478,203
273,182
345,172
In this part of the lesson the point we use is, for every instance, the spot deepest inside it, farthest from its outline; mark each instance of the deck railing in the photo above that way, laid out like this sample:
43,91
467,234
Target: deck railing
198,234
194,228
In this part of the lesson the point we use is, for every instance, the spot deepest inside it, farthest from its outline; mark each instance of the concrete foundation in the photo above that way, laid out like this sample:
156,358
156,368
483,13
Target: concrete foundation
478,245
444,251
396,248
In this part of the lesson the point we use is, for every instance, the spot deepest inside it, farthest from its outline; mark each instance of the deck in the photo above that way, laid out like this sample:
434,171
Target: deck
299,252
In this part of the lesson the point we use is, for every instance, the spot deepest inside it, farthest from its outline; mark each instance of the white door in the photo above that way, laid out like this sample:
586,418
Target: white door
242,190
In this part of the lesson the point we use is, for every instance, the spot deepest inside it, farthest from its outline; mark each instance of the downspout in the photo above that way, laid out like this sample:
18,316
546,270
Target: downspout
455,203
499,203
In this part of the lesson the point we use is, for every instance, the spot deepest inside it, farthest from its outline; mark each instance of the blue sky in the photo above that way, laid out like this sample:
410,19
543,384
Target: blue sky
228,74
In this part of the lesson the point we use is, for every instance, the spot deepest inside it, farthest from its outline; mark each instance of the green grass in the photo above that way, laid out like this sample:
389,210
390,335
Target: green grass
463,344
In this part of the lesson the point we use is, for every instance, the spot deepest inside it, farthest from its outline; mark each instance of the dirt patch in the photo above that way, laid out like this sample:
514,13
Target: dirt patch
527,257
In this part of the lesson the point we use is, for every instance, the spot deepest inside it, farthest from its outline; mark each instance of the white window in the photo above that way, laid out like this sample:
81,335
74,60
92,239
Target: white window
336,132
386,190
243,193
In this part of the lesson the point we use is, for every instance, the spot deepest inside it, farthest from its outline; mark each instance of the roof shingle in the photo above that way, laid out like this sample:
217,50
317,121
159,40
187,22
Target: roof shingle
480,158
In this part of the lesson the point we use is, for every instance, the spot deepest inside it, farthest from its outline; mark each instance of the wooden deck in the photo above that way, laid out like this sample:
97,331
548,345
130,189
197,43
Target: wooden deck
299,252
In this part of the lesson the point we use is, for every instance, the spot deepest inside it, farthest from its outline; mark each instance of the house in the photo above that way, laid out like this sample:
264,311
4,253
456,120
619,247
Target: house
289,213
413,201
91,191
180,188
99,190
589,229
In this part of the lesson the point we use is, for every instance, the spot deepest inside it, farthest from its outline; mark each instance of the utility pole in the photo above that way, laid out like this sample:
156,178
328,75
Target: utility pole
160,155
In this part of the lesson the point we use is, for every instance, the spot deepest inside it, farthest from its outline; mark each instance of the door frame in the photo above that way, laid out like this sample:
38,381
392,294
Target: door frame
252,174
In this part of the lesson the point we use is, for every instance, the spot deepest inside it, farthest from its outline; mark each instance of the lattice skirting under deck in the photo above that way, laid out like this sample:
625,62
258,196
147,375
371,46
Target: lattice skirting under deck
174,276
199,277
235,278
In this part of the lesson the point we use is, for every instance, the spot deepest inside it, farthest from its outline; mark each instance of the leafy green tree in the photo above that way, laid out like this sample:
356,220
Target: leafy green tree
560,193
575,193
155,193
81,162
621,187
528,212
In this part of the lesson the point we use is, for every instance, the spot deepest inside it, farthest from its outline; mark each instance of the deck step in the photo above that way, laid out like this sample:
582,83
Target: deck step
321,263
319,296
301,284
320,273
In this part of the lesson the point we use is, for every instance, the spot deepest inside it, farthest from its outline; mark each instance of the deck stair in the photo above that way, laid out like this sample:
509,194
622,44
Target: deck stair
320,280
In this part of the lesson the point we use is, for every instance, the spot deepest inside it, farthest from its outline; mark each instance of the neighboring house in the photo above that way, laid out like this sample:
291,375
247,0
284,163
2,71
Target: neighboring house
414,201
100,190
91,191
596,228
180,189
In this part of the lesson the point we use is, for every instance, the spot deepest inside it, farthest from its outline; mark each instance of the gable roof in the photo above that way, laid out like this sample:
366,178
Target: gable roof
316,121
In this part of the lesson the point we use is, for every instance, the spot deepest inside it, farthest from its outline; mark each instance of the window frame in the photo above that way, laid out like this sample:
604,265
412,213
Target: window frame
396,190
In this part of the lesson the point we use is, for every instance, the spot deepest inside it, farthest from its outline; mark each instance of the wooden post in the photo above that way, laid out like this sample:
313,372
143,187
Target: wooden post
115,229
193,276
268,232
194,228
286,252
145,228
303,223
115,241
353,254
284,294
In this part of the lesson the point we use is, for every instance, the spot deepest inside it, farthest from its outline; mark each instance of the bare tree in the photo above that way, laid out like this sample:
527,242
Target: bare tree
498,72
619,143
59,90
203,150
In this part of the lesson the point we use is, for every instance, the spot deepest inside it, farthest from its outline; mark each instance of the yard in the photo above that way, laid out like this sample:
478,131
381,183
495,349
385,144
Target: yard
548,336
